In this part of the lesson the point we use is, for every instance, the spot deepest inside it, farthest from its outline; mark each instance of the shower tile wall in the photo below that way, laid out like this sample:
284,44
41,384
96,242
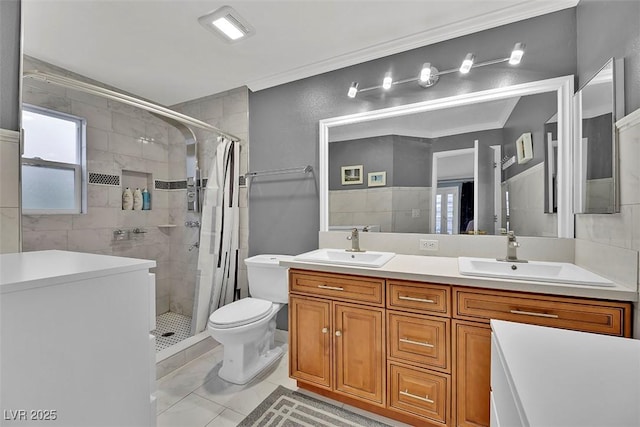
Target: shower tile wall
227,111
113,144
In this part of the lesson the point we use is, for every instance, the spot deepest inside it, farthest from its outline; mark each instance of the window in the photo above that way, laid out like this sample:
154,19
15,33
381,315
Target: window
53,162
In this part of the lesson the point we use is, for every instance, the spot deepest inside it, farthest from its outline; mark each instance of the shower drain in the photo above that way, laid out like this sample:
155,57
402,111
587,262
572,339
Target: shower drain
168,334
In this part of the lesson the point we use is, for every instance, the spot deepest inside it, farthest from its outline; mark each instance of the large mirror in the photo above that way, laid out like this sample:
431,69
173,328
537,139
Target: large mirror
596,110
469,164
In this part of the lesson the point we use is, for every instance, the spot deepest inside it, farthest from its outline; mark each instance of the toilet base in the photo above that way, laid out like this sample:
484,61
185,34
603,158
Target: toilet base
263,362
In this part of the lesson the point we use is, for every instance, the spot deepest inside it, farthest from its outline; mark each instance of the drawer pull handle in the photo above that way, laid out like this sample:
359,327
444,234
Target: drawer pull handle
531,313
338,333
325,330
333,288
424,344
430,301
424,399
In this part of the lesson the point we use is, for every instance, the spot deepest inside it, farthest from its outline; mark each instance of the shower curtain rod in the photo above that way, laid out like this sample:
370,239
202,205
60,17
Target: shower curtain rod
304,169
126,99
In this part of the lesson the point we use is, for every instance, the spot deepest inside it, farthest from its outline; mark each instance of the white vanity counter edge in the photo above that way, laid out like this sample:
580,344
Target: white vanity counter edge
445,270
26,270
553,377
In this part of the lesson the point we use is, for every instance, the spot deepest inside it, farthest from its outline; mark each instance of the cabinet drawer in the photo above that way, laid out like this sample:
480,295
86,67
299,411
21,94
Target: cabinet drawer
419,392
419,339
418,297
603,317
337,286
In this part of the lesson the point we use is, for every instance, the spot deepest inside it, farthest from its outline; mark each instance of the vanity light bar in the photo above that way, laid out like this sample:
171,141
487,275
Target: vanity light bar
429,75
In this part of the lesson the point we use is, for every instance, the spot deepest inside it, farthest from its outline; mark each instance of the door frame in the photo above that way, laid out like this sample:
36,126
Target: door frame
434,177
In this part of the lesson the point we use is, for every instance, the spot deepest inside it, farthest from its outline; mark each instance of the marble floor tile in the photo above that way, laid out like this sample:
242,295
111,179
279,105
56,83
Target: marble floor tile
178,384
192,411
227,418
240,398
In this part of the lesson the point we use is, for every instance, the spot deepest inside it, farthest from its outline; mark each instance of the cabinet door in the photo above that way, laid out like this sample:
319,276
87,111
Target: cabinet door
472,355
359,351
310,340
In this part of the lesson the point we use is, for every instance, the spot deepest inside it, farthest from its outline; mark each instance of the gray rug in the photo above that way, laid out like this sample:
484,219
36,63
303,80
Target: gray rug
288,408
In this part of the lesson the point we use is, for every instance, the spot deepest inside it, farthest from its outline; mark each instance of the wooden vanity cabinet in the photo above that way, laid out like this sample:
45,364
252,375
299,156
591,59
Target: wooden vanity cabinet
413,351
472,310
337,345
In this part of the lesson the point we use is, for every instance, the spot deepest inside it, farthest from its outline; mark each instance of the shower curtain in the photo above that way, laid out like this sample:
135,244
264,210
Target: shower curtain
217,275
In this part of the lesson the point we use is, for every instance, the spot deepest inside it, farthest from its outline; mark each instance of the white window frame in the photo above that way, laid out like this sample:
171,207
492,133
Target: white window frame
79,168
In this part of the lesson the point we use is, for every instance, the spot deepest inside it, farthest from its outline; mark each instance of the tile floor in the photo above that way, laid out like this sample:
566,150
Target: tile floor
194,395
170,322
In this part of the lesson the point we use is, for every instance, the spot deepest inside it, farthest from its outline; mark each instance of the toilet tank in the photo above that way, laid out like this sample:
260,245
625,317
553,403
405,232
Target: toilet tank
267,279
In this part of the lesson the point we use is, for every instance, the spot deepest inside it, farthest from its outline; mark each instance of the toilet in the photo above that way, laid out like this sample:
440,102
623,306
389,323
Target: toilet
246,327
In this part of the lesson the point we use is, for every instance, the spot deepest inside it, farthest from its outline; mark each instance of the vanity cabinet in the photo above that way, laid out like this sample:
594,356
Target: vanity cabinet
414,351
473,309
337,345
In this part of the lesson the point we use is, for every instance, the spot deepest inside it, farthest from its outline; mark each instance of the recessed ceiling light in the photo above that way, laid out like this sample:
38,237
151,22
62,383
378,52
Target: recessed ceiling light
227,24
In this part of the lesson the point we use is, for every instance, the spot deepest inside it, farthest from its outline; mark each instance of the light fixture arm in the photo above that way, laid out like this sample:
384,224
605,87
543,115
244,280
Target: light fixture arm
434,75
438,74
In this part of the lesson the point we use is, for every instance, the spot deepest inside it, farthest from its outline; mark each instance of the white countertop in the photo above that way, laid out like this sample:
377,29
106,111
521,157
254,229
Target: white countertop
445,270
25,270
567,378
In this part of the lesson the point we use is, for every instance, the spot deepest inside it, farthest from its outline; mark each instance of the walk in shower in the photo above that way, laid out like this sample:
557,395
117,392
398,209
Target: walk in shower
136,143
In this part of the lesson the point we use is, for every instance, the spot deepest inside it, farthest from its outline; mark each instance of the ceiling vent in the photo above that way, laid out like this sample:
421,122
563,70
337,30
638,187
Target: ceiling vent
227,24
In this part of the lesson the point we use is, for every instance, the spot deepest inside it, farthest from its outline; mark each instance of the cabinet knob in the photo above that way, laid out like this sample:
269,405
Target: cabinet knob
338,333
325,330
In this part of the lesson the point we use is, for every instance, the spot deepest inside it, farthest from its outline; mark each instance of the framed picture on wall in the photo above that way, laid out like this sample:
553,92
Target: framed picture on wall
352,175
377,179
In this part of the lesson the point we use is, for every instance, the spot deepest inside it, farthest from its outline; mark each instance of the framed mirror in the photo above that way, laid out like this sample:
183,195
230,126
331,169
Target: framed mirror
597,107
419,172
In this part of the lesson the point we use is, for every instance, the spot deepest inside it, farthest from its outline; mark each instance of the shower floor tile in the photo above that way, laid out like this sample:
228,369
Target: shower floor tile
169,322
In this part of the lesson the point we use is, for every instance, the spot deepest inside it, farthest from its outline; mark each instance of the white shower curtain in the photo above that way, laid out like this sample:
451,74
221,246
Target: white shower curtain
218,255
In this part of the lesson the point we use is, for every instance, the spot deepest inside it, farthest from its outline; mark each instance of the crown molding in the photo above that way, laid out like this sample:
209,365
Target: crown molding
508,15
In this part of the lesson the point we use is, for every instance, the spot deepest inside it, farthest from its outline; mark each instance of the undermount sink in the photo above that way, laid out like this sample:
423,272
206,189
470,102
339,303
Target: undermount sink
556,272
344,257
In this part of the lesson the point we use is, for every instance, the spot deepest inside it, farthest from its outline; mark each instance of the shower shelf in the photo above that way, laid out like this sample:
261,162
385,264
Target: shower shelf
166,225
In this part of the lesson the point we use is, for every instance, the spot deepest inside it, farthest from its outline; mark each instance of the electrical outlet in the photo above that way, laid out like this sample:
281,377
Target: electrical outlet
428,245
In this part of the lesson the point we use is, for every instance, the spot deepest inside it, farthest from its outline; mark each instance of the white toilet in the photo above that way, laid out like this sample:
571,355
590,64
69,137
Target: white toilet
246,327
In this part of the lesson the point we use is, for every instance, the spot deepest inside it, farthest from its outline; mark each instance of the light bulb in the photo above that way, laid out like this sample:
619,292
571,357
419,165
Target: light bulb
467,63
353,90
386,82
425,73
516,54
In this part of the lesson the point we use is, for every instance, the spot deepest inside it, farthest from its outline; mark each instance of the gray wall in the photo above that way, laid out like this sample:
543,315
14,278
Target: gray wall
10,68
411,162
284,217
608,29
467,140
406,159
374,154
529,115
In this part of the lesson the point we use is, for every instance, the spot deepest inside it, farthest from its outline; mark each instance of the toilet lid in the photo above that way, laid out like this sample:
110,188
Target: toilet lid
240,313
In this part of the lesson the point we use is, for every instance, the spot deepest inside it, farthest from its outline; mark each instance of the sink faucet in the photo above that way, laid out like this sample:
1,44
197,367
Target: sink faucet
355,241
512,247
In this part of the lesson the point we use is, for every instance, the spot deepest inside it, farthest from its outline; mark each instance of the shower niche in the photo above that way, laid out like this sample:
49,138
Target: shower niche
136,179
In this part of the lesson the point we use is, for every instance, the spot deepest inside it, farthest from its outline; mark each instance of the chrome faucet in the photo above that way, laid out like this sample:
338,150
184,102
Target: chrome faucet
512,247
355,241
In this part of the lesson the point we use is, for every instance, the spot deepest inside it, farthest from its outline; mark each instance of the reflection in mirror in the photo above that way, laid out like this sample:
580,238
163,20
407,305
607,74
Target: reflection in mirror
448,170
444,170
595,145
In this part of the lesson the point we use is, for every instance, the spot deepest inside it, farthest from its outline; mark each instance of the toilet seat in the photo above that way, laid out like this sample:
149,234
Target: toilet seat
239,313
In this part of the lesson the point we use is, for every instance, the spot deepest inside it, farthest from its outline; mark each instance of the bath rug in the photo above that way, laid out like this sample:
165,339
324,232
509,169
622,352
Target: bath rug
289,408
